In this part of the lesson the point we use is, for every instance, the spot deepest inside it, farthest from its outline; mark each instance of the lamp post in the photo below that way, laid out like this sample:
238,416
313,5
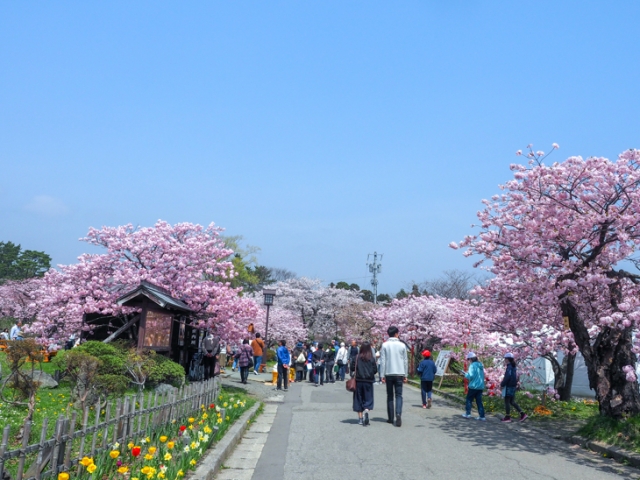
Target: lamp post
269,294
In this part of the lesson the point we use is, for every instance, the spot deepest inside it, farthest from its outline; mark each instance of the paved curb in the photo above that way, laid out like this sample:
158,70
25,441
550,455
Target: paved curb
211,464
604,449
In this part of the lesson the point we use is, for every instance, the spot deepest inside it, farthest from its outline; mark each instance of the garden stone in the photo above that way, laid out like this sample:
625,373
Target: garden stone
165,388
46,380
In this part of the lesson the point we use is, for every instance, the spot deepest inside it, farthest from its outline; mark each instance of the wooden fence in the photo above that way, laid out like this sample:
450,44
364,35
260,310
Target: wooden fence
76,436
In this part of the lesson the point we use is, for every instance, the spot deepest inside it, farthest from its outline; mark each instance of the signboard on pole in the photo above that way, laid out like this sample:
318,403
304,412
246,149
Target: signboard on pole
442,362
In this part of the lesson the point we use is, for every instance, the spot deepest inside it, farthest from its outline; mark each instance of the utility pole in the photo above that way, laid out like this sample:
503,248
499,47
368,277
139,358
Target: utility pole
375,268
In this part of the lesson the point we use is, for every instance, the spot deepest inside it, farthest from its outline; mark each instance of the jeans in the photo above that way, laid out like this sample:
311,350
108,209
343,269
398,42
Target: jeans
329,375
342,371
244,374
477,395
256,363
394,383
235,364
283,375
299,375
425,388
320,375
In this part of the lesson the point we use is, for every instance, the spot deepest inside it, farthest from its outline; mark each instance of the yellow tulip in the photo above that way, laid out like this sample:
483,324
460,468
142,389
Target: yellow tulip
114,454
91,468
63,476
163,438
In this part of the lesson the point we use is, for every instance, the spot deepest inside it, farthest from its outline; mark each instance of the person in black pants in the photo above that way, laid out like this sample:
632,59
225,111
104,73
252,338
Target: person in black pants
353,353
318,363
366,370
211,347
329,362
394,368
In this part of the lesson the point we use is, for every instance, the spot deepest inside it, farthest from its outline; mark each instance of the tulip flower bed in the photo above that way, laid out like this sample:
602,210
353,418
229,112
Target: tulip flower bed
170,451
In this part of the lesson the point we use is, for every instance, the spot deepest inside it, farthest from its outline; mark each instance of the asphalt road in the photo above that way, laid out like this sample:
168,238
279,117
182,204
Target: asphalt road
315,435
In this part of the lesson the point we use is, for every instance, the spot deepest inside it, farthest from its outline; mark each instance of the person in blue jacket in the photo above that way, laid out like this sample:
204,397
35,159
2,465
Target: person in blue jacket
475,375
284,361
427,370
509,385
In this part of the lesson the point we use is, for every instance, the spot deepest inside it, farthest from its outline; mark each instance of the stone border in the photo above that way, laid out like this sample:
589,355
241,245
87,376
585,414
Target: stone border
211,464
617,453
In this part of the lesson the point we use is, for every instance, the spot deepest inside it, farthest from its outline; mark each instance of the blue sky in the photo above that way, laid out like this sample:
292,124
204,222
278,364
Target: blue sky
320,131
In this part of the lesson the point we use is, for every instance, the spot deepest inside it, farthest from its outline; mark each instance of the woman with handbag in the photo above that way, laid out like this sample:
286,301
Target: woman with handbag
300,360
365,376
245,359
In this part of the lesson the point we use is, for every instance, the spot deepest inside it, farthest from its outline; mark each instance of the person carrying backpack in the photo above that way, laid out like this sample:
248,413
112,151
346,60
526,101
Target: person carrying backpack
509,386
427,370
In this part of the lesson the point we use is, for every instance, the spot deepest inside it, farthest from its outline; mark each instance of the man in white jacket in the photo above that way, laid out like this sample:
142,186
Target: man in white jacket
394,368
341,360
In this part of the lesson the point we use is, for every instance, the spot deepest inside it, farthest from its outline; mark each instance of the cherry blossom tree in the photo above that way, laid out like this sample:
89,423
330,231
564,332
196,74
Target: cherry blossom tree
562,238
320,308
17,299
187,259
283,324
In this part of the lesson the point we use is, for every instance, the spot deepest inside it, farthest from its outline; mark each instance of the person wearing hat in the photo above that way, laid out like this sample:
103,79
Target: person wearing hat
341,360
475,375
509,385
427,370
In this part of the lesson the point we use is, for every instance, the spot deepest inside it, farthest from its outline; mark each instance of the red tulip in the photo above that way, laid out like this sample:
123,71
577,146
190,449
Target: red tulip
182,428
135,451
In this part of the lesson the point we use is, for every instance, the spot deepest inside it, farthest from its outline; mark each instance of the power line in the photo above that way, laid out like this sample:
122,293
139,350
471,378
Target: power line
375,268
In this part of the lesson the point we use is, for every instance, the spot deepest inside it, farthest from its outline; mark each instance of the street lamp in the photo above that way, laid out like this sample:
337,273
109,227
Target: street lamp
269,294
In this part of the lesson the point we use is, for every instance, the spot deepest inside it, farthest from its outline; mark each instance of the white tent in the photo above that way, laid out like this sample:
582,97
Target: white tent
542,376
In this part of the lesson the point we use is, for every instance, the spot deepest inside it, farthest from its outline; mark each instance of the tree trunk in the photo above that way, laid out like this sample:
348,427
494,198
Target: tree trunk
605,359
563,374
568,367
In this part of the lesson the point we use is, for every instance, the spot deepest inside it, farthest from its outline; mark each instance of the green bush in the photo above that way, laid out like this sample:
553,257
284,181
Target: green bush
112,384
164,370
113,359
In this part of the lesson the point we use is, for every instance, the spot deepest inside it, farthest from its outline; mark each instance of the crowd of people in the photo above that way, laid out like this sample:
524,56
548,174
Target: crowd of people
319,364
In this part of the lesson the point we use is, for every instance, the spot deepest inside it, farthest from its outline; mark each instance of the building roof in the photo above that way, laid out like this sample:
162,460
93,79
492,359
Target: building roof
158,295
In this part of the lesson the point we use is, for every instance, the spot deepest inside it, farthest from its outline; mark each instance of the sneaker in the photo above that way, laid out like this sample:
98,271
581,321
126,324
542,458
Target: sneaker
366,417
506,419
482,419
523,416
360,422
390,421
466,415
424,405
398,421
255,373
286,389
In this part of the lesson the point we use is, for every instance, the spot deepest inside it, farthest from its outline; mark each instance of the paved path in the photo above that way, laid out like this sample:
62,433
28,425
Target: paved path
315,435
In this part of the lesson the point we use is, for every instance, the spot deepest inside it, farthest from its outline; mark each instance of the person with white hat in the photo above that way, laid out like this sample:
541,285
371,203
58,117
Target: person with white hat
341,360
475,375
509,385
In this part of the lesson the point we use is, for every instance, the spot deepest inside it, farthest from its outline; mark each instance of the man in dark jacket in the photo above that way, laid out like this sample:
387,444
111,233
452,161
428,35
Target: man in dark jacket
318,358
353,353
329,362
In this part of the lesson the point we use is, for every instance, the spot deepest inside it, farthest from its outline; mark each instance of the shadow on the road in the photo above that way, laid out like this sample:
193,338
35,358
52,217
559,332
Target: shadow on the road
353,421
495,436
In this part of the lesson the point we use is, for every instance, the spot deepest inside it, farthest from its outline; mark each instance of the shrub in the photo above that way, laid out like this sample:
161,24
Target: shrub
164,370
113,359
112,384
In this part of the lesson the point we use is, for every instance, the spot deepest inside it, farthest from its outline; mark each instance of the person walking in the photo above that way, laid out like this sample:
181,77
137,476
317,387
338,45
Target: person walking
366,370
509,386
234,350
258,349
353,353
310,368
427,370
211,348
475,375
244,356
284,360
329,362
318,358
342,358
394,369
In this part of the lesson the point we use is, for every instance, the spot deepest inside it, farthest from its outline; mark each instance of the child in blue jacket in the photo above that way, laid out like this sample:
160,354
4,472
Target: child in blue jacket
427,370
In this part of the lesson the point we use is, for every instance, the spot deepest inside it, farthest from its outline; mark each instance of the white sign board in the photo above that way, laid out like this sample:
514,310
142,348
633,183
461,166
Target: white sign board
442,362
